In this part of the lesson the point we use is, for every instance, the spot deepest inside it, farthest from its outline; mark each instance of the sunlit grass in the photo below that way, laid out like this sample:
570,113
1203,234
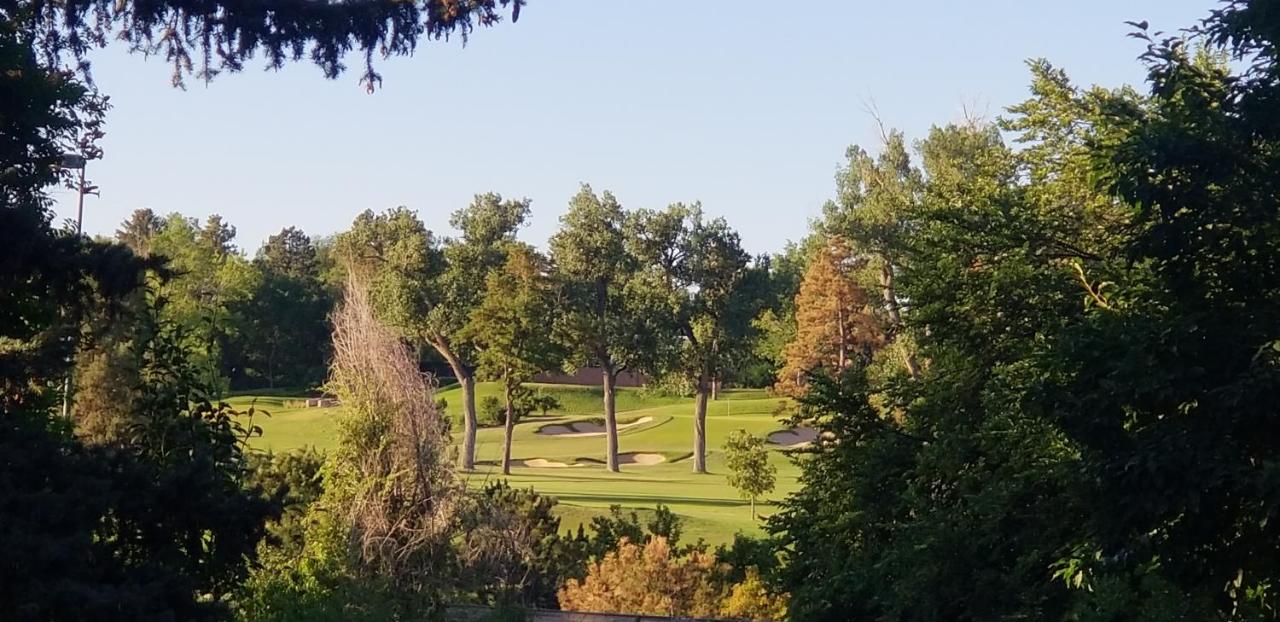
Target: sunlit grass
711,508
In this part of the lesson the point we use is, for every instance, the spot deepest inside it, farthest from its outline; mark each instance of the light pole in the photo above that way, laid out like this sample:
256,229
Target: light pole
75,161
78,162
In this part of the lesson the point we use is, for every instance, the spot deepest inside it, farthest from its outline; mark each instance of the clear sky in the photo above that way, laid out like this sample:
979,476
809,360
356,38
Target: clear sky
745,105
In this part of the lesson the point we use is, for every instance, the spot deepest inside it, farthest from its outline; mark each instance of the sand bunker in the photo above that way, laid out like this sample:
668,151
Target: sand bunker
586,428
794,438
543,463
639,459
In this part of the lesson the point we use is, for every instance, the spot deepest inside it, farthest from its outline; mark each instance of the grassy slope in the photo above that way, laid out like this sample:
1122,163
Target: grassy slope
712,509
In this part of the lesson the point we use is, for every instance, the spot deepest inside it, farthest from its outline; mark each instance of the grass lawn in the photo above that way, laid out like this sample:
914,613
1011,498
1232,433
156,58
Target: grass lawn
710,507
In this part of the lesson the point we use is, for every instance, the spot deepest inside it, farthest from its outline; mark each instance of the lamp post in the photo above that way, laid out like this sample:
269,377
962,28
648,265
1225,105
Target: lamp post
75,161
78,162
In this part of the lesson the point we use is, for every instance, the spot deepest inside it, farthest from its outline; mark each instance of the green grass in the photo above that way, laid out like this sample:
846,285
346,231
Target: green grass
710,507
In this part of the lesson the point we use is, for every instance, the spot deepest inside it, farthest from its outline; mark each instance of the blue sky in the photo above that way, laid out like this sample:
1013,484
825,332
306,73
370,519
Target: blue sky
745,105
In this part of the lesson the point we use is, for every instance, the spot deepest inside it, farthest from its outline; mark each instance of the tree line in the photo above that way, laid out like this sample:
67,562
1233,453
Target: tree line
668,293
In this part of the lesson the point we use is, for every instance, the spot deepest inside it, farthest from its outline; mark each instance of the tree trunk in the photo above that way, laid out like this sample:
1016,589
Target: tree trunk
507,431
715,388
700,425
895,316
468,381
842,352
469,424
610,421
271,365
753,507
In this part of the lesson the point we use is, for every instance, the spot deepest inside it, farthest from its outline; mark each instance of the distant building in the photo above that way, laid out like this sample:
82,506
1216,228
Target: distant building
590,376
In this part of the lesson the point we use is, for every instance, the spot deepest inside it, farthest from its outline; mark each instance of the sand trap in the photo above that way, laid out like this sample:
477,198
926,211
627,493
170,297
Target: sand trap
586,428
794,438
641,459
543,463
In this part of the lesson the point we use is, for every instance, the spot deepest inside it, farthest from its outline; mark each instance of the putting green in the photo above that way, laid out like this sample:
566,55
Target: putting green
660,445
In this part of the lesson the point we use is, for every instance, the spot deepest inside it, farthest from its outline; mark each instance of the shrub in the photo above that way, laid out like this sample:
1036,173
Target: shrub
647,579
512,552
295,478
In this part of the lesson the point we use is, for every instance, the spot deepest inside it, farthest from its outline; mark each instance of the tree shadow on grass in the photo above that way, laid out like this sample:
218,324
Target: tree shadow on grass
563,477
650,499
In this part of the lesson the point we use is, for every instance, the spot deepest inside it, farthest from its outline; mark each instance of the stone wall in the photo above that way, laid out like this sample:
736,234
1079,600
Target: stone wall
476,614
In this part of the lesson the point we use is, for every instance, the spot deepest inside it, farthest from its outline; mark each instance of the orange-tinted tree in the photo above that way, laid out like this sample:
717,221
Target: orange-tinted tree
834,324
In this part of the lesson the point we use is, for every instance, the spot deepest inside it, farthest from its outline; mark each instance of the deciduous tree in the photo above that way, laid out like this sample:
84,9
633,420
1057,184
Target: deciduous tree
750,471
488,226
609,320
698,268
509,330
876,204
209,278
427,290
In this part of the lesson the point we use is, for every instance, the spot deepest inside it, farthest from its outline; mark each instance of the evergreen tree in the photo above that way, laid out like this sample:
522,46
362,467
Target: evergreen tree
834,326
138,231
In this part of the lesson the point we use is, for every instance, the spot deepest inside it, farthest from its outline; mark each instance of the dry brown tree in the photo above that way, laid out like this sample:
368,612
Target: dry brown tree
391,475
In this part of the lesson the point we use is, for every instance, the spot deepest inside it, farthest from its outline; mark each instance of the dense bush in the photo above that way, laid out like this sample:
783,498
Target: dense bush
511,548
295,478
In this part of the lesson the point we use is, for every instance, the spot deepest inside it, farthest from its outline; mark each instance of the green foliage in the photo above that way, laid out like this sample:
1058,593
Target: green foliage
429,291
609,318
159,521
671,384
295,478
209,281
762,554
488,226
1168,383
1091,434
608,531
775,325
226,36
492,411
509,326
108,373
397,256
525,402
139,230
